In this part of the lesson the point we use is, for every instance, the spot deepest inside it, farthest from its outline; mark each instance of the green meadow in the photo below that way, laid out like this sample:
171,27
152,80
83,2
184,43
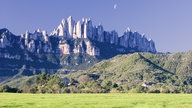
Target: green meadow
8,100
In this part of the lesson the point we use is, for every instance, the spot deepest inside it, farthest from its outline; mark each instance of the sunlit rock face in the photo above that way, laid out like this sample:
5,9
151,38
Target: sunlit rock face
84,29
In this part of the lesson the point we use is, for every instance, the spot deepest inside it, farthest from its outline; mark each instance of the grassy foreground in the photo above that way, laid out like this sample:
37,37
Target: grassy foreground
95,100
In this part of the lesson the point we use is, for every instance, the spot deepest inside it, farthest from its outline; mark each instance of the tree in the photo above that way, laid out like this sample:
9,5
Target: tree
107,85
45,83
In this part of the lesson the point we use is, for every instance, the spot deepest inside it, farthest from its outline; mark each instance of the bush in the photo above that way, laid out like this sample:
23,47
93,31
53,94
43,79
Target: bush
84,79
6,88
66,90
164,90
138,89
153,91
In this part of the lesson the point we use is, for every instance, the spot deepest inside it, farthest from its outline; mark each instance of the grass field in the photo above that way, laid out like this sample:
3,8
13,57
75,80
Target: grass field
95,100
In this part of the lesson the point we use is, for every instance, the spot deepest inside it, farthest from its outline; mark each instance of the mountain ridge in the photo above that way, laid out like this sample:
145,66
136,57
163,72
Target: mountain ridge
71,46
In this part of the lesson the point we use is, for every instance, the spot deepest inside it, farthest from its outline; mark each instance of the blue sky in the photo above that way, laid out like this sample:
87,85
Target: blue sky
167,22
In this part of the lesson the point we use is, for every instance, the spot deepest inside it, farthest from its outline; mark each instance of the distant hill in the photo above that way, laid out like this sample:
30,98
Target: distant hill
151,72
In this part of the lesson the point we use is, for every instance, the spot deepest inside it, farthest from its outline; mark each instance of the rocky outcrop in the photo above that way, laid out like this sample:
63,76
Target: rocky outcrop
85,29
92,50
64,48
134,40
77,33
78,46
79,37
4,39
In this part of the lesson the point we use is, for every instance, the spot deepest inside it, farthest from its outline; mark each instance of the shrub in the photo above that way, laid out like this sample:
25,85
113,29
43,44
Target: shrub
7,88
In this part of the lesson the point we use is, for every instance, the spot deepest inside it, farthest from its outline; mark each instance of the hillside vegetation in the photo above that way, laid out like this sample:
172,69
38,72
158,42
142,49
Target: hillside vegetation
140,72
133,73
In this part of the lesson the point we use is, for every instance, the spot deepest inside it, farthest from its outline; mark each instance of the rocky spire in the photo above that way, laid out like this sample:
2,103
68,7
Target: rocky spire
71,24
84,29
62,29
78,30
100,33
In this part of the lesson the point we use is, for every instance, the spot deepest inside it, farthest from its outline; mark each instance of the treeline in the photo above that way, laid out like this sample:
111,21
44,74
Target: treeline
45,83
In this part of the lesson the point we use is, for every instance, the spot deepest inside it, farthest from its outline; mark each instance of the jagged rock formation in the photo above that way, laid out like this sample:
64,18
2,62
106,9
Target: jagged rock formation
84,29
70,45
69,32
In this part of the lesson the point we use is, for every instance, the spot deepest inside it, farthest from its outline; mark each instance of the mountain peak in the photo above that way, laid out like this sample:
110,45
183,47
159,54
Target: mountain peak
128,29
4,30
69,33
63,21
84,29
70,19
